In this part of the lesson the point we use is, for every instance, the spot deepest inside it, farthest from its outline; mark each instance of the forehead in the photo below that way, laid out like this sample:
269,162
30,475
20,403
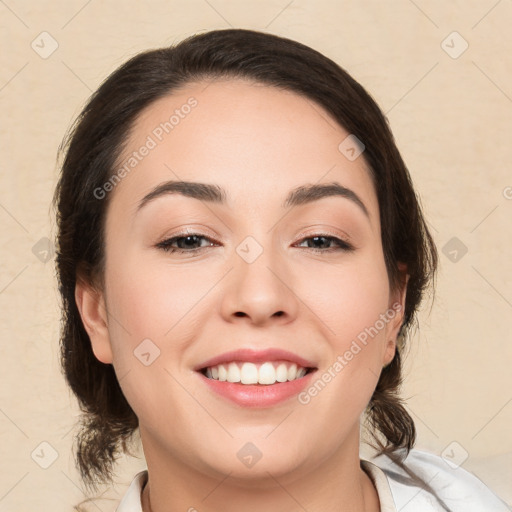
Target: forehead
255,141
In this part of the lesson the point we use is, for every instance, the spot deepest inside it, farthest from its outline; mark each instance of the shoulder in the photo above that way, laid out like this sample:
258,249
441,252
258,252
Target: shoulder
439,485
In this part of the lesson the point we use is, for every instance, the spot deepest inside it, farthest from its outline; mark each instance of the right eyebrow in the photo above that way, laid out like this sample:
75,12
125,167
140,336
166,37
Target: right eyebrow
195,190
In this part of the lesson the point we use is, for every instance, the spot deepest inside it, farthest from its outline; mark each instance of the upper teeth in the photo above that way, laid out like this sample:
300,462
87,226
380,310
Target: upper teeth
260,373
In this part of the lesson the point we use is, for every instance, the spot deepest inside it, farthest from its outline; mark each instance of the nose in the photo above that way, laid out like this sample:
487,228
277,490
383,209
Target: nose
261,291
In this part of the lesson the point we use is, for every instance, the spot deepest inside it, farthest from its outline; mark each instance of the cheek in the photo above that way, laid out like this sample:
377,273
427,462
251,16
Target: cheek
349,297
153,300
152,311
352,302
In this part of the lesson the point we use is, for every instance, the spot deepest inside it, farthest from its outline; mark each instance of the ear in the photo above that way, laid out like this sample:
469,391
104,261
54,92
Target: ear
91,305
396,312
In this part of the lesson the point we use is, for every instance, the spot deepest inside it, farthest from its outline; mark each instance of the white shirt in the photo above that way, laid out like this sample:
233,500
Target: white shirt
460,490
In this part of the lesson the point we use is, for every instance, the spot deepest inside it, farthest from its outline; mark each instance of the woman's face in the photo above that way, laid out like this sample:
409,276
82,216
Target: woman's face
281,274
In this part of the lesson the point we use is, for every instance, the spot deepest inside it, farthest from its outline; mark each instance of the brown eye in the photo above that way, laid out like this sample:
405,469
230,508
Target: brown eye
326,240
186,242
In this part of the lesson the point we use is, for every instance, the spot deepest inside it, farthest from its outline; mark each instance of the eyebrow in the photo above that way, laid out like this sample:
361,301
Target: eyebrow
217,195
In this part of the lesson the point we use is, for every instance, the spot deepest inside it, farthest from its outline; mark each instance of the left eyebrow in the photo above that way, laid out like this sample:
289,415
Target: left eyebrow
215,194
309,193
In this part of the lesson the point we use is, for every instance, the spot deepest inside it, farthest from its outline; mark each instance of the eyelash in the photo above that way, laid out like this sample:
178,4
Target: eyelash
165,245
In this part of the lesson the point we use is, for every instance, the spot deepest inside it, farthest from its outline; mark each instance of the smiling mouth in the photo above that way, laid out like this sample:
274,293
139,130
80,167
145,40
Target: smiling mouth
266,373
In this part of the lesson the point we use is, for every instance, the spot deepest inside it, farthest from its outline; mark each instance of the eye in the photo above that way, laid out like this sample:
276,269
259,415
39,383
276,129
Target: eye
184,243
323,240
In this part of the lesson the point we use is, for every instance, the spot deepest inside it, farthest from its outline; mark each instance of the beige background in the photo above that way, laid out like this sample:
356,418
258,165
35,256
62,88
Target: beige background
452,120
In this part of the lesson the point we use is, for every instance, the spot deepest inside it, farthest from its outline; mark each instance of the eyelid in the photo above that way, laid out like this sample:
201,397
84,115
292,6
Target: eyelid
313,231
199,230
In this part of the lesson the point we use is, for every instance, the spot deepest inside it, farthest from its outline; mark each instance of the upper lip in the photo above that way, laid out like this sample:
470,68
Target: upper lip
255,356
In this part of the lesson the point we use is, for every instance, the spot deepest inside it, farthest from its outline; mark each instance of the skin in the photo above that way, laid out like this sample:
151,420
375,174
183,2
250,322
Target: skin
258,143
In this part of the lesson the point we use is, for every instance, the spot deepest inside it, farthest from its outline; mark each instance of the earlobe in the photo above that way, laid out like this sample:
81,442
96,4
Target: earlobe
389,354
91,305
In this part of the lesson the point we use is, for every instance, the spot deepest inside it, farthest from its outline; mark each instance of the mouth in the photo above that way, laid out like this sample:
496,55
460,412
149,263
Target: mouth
264,373
256,378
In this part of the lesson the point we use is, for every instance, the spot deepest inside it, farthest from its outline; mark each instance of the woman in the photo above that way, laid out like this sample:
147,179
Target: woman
241,255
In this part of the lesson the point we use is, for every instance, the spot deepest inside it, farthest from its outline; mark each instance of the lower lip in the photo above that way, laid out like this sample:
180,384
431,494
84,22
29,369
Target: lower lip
258,395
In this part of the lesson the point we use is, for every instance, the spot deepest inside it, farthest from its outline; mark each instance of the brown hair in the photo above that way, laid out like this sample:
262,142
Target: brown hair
93,147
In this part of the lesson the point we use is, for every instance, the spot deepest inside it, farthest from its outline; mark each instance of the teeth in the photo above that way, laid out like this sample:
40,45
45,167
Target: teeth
292,372
267,374
282,373
250,373
233,373
223,374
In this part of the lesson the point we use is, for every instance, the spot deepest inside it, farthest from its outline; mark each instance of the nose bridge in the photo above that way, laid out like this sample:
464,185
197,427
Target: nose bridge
258,286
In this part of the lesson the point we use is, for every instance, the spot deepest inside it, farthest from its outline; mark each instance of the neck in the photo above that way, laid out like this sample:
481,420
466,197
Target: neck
337,484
